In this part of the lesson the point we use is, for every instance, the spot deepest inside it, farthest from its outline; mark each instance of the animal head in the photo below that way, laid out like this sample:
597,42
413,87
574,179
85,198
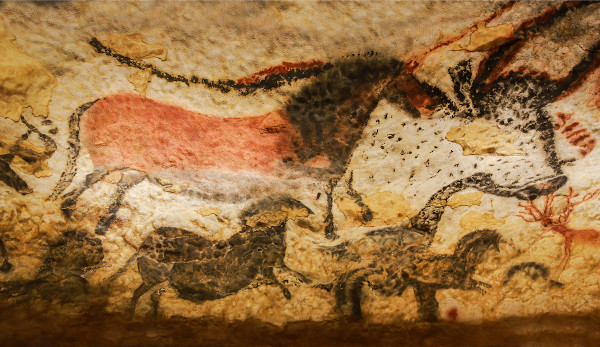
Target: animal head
75,251
472,247
273,211
331,112
486,126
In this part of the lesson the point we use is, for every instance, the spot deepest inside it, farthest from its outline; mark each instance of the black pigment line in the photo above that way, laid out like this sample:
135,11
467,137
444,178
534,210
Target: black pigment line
268,82
74,147
6,265
49,143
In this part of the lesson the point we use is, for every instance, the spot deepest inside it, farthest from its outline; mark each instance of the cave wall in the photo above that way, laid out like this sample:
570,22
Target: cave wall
285,162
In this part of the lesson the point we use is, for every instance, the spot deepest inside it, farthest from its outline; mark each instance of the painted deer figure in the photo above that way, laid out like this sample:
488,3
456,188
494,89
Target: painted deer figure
555,218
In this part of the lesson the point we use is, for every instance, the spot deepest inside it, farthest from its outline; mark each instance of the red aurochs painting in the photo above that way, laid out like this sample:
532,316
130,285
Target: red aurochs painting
386,163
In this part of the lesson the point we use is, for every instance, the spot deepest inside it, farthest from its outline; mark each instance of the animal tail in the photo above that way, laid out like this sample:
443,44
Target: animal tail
6,265
269,78
73,147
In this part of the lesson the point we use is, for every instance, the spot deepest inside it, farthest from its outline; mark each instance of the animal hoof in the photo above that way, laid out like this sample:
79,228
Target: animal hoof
67,212
287,294
6,266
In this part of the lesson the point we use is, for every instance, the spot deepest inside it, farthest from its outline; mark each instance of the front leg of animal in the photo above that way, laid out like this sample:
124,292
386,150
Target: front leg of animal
270,274
428,306
126,183
348,290
152,273
71,197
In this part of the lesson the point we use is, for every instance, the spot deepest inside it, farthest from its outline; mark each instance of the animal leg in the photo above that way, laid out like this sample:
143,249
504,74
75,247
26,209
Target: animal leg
152,274
123,186
71,197
155,298
348,290
141,290
270,274
11,179
329,226
366,213
428,306
355,296
566,256
6,265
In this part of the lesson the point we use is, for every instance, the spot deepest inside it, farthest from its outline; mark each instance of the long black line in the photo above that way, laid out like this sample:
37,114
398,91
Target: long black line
268,82
74,146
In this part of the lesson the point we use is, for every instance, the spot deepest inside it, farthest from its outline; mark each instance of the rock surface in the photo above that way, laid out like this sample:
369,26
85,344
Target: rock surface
277,163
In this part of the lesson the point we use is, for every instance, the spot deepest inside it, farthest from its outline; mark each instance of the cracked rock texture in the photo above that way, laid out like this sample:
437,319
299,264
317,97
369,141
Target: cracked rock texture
269,163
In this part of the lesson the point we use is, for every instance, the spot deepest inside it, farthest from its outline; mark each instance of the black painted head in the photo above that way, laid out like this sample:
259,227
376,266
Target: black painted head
331,112
75,251
273,211
473,246
499,132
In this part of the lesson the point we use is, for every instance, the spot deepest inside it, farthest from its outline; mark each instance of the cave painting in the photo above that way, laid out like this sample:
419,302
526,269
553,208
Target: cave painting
489,130
553,218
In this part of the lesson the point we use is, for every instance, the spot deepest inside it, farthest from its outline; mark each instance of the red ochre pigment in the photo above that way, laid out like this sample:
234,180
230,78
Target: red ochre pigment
452,314
127,130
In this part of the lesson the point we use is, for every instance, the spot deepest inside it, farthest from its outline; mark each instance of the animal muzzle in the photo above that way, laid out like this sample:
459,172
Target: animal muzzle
540,187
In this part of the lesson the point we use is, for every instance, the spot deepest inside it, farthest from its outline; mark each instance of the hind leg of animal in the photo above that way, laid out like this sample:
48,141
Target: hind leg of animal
565,258
71,197
11,179
123,186
427,303
355,292
270,274
155,298
6,265
152,275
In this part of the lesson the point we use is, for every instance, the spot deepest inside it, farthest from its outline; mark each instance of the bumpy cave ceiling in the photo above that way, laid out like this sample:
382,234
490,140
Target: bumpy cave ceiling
300,161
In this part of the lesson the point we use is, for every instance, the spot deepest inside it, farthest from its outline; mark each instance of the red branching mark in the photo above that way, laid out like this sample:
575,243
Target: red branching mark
282,68
127,130
555,219
575,133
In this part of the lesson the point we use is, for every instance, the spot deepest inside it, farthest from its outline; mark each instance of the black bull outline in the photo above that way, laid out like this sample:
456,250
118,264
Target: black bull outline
318,109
